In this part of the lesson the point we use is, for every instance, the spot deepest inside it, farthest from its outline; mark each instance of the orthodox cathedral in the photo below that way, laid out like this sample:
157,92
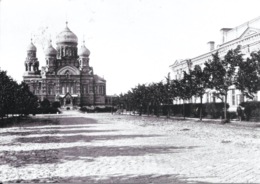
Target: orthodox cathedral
67,76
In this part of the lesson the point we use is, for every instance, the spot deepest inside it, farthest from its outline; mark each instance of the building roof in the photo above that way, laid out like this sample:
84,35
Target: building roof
236,32
50,51
67,36
99,79
31,47
84,51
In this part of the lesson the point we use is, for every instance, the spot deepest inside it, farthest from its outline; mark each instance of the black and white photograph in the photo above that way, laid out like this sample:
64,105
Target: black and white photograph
130,91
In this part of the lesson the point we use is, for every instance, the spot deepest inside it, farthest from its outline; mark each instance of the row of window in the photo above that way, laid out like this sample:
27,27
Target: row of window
97,89
71,89
233,98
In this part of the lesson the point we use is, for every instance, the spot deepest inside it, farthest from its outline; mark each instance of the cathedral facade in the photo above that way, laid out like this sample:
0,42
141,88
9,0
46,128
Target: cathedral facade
67,76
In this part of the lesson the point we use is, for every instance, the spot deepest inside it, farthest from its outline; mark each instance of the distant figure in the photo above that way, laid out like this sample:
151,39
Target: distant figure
239,112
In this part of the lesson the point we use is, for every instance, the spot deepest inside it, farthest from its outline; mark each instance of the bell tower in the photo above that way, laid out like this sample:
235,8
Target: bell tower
50,56
84,58
31,62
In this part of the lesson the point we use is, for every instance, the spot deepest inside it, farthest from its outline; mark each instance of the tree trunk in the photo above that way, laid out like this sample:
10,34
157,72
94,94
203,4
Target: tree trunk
201,108
168,110
148,109
183,109
158,110
242,99
140,110
225,108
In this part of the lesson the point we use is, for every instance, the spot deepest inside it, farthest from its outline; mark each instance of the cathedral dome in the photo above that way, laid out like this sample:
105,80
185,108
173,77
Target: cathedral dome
67,36
31,47
84,51
50,51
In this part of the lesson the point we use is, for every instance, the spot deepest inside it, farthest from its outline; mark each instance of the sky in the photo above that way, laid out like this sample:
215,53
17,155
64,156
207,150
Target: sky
131,41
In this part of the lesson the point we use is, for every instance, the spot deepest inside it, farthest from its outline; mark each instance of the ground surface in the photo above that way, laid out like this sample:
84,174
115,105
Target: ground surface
105,148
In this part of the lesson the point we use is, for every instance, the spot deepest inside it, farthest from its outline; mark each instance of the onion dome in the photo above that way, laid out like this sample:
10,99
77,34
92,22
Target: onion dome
84,51
31,47
50,51
67,36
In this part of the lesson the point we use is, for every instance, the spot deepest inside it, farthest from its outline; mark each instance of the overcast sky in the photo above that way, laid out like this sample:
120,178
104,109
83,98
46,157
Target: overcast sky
131,41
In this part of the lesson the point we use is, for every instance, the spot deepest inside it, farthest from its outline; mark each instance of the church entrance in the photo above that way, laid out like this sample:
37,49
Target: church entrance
68,101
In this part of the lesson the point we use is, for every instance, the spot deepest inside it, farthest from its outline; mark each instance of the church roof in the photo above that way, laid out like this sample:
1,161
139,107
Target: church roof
99,79
84,51
67,36
31,47
50,51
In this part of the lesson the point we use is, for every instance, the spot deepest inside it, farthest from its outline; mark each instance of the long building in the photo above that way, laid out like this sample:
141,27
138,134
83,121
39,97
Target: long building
67,76
246,35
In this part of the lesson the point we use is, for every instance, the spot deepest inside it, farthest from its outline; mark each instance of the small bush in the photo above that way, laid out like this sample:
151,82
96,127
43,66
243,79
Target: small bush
56,104
49,110
91,109
45,103
209,110
215,110
251,110
232,115
83,109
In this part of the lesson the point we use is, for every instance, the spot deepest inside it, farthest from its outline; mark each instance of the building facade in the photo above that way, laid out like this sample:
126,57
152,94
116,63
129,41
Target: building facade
67,76
247,36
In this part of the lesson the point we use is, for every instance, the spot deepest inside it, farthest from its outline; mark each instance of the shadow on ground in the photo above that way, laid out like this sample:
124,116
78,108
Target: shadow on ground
85,153
88,154
123,179
127,179
53,132
77,138
43,121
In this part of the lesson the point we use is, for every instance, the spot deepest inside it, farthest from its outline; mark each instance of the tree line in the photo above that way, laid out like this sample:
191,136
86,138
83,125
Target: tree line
15,98
217,74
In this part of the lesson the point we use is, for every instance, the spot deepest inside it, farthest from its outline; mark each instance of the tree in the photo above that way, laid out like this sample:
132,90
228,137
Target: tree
14,97
222,73
161,95
4,82
247,80
140,95
28,102
168,94
200,83
173,89
184,89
